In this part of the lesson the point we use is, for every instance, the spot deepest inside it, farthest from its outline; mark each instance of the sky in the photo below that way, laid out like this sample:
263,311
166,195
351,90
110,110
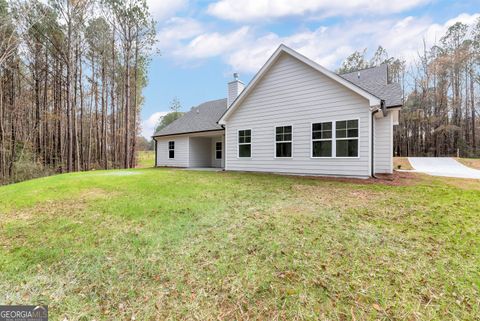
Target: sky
202,43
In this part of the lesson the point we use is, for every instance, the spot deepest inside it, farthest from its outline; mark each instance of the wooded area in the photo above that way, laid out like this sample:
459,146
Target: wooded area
71,76
441,94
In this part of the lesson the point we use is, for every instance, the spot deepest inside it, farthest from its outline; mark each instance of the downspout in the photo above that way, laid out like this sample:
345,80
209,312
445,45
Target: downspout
373,144
224,147
155,151
384,111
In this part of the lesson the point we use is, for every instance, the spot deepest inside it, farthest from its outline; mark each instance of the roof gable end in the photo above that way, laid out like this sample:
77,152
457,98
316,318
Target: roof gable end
373,100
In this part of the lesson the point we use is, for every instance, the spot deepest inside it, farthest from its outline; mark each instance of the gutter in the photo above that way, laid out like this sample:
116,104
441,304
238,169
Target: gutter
184,133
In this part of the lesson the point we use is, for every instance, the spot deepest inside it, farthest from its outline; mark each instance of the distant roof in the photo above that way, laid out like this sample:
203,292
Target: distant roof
375,81
204,117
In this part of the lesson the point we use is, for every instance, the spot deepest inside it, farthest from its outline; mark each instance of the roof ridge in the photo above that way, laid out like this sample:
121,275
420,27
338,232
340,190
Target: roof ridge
210,101
362,69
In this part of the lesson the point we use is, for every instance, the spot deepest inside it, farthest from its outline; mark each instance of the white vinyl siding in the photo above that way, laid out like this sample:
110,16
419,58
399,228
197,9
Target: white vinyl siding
293,93
181,152
384,144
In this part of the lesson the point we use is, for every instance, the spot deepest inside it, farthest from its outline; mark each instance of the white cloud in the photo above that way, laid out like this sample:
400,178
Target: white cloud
161,9
245,50
213,44
330,45
405,38
254,10
176,30
148,125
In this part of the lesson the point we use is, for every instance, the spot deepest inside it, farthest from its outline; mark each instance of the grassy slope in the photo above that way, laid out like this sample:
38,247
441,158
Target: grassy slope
172,244
401,163
470,162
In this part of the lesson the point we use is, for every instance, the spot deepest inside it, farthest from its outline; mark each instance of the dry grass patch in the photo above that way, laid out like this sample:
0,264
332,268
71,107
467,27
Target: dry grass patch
339,197
52,208
470,162
402,163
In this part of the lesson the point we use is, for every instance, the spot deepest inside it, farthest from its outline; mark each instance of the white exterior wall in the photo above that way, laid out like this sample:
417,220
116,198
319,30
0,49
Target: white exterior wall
181,151
383,150
200,152
293,93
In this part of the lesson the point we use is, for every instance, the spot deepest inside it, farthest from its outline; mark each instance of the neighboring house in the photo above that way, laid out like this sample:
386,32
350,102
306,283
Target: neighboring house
294,117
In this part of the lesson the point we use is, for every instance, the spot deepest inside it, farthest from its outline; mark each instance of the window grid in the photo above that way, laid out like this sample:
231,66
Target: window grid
283,141
245,143
346,138
171,149
322,135
218,150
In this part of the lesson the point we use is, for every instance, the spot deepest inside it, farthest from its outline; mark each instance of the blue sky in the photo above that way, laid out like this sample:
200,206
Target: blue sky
203,42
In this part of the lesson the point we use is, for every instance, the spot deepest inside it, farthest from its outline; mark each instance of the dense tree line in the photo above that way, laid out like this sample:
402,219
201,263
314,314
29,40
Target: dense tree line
71,74
441,88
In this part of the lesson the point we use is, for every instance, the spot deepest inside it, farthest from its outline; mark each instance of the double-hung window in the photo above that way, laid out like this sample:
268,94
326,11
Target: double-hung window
322,139
283,141
218,150
346,138
171,149
245,143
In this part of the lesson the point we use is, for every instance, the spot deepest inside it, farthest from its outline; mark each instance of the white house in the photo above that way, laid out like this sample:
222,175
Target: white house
294,117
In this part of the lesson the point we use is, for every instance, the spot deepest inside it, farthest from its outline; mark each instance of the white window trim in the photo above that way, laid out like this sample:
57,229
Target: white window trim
322,139
251,143
221,150
347,138
334,138
169,149
283,141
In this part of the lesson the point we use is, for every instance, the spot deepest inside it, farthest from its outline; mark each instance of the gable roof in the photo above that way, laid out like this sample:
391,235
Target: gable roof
372,84
373,100
375,81
201,118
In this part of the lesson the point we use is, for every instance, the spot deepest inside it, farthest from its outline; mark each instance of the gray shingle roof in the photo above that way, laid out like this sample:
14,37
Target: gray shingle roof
204,117
375,81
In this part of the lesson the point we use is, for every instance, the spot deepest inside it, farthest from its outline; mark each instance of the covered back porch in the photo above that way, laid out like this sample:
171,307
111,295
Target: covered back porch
206,150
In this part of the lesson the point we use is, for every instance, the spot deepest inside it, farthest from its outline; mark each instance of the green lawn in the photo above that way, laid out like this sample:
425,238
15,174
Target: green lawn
173,244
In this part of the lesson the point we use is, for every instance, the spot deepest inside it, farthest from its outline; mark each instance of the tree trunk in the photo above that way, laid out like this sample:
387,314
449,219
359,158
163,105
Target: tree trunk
126,155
